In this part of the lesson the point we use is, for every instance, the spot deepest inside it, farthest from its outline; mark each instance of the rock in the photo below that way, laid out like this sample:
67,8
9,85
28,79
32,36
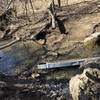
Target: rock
86,86
41,41
2,85
92,40
1,76
1,34
54,41
35,75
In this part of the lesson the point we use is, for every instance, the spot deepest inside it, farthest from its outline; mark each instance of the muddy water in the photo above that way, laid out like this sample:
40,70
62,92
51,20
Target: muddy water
20,57
65,73
17,57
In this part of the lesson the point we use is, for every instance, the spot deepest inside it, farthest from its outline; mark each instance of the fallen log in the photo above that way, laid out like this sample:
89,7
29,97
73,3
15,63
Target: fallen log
17,39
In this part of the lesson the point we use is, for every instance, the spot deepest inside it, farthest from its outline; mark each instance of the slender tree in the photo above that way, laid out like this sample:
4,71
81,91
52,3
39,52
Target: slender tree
31,3
59,3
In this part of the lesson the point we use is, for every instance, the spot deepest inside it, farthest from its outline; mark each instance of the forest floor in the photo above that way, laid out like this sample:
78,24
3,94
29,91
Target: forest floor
80,20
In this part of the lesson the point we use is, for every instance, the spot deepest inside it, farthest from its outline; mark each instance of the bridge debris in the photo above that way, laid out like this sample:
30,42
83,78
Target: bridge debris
65,63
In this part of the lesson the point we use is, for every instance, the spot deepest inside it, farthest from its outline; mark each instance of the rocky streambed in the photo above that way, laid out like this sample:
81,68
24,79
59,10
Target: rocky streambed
38,89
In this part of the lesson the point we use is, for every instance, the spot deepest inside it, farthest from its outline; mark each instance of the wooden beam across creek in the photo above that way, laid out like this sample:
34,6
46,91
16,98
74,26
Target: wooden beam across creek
65,63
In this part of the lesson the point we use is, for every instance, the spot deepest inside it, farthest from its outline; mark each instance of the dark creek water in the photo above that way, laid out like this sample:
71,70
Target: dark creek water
15,58
20,57
6,62
9,62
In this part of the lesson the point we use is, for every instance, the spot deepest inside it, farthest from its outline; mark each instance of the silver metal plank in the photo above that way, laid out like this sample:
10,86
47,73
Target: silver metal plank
65,63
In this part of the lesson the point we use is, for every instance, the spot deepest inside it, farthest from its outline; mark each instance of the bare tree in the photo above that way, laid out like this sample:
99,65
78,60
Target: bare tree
31,3
59,3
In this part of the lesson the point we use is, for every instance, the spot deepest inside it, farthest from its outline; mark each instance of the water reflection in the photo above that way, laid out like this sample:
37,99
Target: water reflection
18,57
6,62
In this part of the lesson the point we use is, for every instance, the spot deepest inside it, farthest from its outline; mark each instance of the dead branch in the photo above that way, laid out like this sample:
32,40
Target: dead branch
8,5
32,8
26,10
52,19
9,44
32,37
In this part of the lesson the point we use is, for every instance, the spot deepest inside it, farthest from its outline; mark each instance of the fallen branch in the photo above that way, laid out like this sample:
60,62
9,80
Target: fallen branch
52,18
9,44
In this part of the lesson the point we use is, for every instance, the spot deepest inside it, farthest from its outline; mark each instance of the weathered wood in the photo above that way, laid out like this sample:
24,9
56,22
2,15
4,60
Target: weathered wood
9,44
52,19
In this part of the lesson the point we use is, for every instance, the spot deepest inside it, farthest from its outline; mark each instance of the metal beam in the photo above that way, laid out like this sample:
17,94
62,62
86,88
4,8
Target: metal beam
65,63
